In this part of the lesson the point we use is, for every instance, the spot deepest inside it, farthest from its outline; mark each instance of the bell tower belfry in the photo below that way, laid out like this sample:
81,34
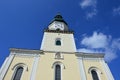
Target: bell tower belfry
57,59
58,37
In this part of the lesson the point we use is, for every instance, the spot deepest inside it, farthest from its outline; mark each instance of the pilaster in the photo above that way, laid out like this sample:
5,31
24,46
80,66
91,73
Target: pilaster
5,66
107,70
34,68
82,70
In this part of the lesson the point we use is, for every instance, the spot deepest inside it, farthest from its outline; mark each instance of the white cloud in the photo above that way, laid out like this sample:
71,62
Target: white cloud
90,7
110,54
116,11
88,3
101,43
116,43
91,14
85,50
97,40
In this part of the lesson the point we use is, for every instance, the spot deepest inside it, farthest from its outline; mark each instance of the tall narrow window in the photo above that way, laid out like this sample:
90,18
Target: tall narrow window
18,73
58,42
57,72
94,75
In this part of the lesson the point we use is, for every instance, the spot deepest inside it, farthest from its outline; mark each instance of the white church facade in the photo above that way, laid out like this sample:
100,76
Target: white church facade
57,59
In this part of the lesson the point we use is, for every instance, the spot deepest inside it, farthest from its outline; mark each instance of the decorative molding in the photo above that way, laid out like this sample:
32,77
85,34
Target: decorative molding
15,67
43,42
27,51
73,41
26,55
59,63
59,51
107,70
89,55
58,56
2,68
34,68
59,31
82,70
6,66
22,65
97,71
92,59
94,68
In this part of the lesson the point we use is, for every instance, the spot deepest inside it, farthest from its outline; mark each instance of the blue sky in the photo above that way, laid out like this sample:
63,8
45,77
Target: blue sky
95,22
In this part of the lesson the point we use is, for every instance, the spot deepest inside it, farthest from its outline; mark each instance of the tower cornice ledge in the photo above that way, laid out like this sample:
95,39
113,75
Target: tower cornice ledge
90,55
59,52
59,31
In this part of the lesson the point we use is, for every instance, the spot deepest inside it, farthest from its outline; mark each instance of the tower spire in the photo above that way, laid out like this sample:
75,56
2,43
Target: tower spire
59,18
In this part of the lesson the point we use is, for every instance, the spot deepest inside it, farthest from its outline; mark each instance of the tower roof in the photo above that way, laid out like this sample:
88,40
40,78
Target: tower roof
59,18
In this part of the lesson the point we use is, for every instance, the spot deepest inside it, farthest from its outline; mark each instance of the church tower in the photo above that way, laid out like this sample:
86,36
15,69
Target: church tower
57,37
57,59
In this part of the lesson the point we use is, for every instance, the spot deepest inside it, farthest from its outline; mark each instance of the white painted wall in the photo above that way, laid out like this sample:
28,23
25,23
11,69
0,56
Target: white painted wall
67,42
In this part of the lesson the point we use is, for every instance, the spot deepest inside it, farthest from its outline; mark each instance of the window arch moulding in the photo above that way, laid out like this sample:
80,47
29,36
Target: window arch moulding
17,68
25,67
17,75
94,68
58,63
58,66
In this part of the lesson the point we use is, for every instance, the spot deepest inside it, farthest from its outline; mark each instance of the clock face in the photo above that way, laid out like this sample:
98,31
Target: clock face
59,25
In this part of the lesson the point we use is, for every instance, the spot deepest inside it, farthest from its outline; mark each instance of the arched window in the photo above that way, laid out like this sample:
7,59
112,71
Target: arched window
94,75
18,73
58,42
57,72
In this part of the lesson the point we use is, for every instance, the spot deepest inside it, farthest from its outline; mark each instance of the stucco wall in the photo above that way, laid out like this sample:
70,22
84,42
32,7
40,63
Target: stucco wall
95,63
67,42
28,61
45,69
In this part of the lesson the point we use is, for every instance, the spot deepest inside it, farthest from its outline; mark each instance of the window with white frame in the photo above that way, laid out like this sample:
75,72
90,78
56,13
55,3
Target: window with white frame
94,75
58,67
57,72
19,70
18,73
58,42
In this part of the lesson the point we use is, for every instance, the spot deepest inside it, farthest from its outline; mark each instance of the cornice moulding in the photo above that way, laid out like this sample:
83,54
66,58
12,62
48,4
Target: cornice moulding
78,54
90,55
16,50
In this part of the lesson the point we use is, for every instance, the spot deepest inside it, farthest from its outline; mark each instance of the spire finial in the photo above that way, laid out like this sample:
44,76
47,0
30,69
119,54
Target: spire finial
58,16
58,13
